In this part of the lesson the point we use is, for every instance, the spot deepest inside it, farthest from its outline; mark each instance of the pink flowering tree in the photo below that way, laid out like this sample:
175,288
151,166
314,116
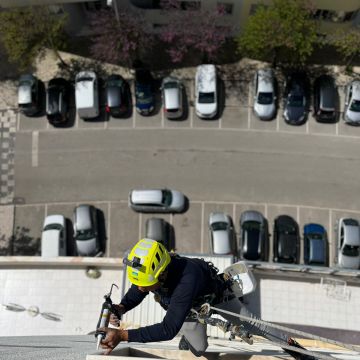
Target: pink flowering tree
119,40
193,29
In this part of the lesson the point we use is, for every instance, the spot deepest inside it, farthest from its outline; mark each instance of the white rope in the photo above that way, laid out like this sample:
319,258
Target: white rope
286,329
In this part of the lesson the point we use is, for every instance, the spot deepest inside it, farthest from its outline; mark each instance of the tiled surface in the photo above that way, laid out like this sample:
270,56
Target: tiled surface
7,142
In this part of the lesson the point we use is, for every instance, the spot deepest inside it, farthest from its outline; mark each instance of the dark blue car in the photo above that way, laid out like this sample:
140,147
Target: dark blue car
315,245
144,92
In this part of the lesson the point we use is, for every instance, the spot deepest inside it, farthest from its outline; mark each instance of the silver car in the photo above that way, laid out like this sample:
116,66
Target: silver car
86,230
264,98
352,103
221,233
157,201
348,234
172,98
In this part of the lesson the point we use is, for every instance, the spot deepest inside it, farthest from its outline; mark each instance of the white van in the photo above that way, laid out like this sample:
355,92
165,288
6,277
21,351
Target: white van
87,94
53,237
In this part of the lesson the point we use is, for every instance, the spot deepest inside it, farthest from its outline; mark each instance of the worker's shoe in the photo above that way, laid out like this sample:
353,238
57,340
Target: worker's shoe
296,355
183,344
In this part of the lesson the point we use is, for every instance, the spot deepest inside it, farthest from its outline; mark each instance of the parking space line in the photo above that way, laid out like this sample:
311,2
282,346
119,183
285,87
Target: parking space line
140,222
220,122
171,219
162,117
297,213
266,210
191,118
249,106
202,226
277,122
307,126
18,121
46,210
330,237
233,211
76,120
108,228
35,149
134,119
337,129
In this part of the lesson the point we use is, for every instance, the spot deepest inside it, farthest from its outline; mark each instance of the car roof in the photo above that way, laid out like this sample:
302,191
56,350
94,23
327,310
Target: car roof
146,196
221,242
206,78
172,98
317,250
83,218
356,89
352,235
265,80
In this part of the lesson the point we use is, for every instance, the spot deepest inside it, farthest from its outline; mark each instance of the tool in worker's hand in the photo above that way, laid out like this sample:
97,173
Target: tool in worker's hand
106,310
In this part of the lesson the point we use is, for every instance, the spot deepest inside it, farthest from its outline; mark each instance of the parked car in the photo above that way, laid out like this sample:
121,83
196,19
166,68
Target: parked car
254,236
352,103
206,93
348,234
221,233
117,96
286,240
86,233
315,245
29,100
144,92
172,97
157,201
295,100
325,99
57,101
87,95
53,236
156,229
265,98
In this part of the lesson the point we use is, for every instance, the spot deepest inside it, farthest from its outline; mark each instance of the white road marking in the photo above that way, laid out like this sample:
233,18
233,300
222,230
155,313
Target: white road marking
191,117
35,149
307,126
108,227
202,226
337,129
249,106
140,222
162,117
18,121
220,122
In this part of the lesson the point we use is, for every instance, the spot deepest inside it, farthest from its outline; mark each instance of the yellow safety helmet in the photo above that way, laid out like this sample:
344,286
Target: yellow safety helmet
146,261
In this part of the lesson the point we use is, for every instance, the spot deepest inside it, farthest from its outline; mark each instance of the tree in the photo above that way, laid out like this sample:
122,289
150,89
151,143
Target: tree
27,31
120,39
347,44
193,29
285,29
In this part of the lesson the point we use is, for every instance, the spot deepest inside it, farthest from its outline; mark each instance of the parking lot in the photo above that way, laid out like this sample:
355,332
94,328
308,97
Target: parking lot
120,226
236,115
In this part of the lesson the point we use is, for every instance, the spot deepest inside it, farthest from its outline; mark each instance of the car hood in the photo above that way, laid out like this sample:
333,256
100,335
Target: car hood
264,111
178,200
294,113
206,109
86,247
353,116
221,243
350,262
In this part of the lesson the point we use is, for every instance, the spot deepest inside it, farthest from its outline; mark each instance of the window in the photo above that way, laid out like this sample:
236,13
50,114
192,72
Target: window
334,16
190,5
228,8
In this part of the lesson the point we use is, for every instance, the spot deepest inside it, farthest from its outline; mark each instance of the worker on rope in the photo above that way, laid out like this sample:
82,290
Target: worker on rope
180,284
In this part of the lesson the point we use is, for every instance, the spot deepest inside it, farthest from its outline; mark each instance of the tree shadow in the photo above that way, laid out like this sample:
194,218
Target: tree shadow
24,244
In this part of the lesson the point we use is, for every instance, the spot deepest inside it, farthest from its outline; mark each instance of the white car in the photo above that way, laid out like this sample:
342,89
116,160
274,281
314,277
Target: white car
157,201
348,233
352,103
53,236
221,234
264,98
172,89
206,94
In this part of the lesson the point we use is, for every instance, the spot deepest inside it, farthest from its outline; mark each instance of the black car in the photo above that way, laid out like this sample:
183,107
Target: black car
117,96
325,99
295,99
144,92
254,236
156,229
286,240
57,101
29,99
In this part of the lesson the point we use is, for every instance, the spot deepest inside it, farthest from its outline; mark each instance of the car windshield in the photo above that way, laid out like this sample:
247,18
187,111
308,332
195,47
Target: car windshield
85,78
265,98
170,85
220,225
206,98
287,229
350,250
114,83
295,101
25,83
355,106
84,234
52,227
251,225
167,197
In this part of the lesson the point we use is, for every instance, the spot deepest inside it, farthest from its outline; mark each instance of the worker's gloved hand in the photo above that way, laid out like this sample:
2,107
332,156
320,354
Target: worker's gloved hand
114,320
112,338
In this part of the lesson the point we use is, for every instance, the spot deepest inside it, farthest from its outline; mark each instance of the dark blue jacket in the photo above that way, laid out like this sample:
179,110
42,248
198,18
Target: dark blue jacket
187,280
